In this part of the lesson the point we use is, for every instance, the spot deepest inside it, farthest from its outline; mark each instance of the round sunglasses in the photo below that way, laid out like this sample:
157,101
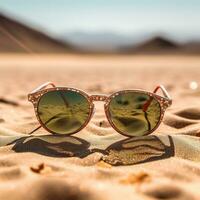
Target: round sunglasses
62,110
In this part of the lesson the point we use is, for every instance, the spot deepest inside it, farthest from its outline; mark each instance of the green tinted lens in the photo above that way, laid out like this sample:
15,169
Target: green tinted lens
134,113
63,111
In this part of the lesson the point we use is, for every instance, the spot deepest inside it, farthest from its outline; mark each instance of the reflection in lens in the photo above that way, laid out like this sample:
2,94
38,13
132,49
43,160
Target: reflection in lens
63,112
134,113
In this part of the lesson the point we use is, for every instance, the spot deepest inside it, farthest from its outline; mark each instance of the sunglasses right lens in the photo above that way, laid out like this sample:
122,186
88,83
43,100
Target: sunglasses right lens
63,111
134,113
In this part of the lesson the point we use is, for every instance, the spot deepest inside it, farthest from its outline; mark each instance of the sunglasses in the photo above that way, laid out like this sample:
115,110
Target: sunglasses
63,110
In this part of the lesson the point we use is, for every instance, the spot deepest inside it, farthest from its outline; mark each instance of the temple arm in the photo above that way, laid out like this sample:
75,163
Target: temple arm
164,91
165,94
43,86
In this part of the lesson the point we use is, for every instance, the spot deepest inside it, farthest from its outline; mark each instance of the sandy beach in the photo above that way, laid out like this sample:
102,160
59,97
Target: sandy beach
98,163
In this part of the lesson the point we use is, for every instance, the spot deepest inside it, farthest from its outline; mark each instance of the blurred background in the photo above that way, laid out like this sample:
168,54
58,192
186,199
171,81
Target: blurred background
98,26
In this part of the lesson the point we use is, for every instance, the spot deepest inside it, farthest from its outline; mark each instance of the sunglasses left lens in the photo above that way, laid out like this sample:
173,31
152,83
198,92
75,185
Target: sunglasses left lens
63,111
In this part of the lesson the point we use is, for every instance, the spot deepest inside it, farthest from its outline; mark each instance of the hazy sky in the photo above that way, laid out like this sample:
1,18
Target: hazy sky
176,17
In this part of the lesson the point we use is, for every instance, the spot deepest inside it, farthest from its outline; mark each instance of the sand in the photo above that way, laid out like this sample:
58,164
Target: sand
98,163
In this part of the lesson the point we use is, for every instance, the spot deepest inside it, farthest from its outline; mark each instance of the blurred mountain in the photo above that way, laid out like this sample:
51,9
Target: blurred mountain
161,45
153,45
18,37
101,41
147,43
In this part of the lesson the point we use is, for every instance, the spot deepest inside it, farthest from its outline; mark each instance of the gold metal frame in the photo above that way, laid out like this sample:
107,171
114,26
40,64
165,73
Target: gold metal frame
164,101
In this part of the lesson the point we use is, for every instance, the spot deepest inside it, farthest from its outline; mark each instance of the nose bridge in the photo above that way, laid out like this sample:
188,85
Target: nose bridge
99,97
